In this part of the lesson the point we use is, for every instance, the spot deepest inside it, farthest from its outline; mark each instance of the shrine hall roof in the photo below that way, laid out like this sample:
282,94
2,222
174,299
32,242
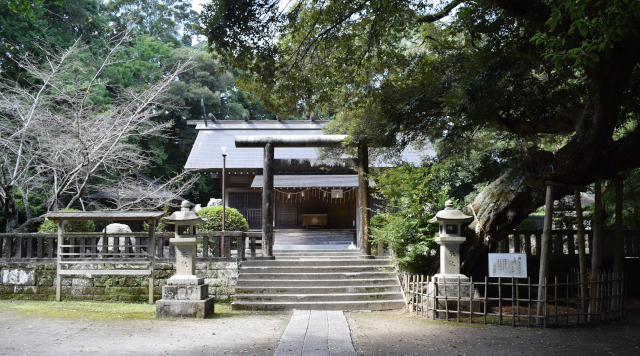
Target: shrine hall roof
206,154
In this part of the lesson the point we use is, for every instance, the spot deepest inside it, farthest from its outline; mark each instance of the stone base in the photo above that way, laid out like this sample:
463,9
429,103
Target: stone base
449,283
197,309
185,279
170,292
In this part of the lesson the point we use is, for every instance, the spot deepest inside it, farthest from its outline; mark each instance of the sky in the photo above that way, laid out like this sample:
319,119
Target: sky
197,4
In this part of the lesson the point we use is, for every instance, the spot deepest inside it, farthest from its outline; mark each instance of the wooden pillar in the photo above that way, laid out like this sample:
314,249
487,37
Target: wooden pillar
151,251
59,259
363,199
582,257
545,249
618,247
267,201
595,248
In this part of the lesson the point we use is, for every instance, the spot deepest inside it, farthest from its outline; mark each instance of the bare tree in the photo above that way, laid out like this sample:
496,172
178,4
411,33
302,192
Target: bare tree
55,125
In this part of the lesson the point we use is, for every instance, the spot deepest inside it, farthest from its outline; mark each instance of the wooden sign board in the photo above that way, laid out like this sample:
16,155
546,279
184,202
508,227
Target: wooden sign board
508,265
337,193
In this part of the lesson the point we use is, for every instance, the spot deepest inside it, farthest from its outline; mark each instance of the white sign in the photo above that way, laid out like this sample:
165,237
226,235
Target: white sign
508,265
336,193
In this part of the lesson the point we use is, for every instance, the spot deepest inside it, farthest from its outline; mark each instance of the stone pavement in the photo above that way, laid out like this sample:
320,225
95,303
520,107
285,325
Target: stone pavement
316,333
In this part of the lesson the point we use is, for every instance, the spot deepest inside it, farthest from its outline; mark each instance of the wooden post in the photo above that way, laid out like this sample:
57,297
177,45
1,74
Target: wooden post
596,247
618,249
267,201
582,257
545,246
151,250
58,260
363,198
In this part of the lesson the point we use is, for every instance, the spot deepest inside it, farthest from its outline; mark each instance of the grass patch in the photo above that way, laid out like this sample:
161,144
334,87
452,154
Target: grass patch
75,310
106,310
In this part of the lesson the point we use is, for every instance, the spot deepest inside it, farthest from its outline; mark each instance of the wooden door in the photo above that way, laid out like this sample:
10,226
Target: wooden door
287,215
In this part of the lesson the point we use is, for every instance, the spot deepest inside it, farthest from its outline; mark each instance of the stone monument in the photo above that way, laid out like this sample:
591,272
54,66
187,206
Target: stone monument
185,295
451,222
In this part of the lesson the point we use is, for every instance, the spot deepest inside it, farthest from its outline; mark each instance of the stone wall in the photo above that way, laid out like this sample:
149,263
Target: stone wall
36,281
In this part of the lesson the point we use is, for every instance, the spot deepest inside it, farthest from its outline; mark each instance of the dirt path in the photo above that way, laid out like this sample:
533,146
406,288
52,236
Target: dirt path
394,333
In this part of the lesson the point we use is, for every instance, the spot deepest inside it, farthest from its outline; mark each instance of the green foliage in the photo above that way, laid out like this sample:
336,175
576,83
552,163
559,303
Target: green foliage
48,226
234,221
414,195
27,7
580,30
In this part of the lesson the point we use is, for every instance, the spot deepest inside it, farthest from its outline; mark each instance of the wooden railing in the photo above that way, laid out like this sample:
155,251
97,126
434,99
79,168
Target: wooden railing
129,246
565,243
510,301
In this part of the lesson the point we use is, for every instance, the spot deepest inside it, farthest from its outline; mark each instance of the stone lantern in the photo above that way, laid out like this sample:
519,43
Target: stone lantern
185,294
451,222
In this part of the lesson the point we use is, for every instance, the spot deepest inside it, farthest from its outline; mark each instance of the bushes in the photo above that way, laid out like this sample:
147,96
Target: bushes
49,226
234,221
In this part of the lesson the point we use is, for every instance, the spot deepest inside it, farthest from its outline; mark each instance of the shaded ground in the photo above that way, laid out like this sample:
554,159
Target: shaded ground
396,333
131,329
45,328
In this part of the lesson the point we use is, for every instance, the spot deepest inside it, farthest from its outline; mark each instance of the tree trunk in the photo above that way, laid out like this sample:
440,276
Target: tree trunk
590,152
363,198
581,253
9,209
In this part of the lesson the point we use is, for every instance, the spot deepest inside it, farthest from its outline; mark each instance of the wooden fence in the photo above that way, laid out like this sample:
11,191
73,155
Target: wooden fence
123,246
511,301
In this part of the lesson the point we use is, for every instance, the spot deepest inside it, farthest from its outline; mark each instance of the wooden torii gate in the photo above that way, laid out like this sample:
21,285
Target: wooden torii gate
269,143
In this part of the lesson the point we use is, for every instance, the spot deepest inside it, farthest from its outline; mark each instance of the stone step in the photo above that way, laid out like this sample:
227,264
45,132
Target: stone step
306,263
314,269
319,275
355,305
378,288
330,297
244,282
315,254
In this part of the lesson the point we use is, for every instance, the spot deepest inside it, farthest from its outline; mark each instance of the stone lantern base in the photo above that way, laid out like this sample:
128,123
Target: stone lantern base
447,285
185,295
181,299
196,309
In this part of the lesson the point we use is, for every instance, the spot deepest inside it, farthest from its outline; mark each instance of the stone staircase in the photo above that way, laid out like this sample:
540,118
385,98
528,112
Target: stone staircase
319,279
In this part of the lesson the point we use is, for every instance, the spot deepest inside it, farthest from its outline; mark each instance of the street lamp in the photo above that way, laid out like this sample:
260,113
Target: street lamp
224,215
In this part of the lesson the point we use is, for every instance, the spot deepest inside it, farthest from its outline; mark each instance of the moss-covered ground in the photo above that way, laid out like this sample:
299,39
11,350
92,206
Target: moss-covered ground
97,310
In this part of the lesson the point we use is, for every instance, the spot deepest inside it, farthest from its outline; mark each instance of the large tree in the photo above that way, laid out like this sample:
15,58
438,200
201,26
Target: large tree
555,81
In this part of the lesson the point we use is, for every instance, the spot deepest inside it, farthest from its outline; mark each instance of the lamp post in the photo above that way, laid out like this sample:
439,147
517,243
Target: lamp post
224,215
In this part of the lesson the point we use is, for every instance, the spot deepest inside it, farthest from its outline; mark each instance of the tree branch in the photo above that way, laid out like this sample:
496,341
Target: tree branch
561,123
435,17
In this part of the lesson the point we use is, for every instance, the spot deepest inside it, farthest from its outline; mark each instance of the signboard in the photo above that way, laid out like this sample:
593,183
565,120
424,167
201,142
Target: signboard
508,265
337,194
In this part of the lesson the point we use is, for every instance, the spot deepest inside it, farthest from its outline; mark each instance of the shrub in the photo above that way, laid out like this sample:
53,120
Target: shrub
49,226
234,221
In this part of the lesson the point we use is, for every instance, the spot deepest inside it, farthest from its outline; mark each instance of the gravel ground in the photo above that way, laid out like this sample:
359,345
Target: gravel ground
243,333
396,333
226,334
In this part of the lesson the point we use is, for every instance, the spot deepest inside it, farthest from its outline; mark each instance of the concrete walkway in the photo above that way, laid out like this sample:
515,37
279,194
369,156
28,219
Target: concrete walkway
316,333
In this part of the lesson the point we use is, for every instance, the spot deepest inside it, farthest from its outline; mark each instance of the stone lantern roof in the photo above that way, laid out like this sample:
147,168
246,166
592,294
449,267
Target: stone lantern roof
185,216
450,215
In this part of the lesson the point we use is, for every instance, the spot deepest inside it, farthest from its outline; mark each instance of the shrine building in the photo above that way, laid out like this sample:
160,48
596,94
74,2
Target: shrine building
309,192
